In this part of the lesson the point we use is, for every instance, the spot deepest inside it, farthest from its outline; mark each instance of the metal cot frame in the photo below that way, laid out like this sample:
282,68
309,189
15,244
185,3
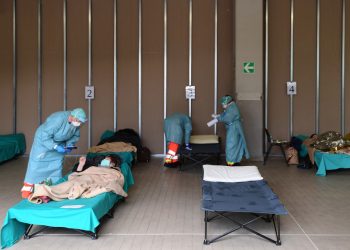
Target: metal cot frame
266,217
200,154
92,235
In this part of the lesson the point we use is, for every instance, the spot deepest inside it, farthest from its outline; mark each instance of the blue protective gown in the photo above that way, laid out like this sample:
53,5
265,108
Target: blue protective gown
177,128
45,162
236,146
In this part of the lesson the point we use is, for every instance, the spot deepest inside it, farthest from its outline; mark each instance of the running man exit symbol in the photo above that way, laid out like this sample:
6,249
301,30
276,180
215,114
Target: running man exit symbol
249,67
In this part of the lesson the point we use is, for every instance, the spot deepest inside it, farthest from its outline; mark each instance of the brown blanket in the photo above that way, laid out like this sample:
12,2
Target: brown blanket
113,147
86,184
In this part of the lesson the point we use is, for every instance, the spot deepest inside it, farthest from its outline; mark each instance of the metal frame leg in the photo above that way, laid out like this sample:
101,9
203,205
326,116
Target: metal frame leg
267,154
196,161
284,154
206,228
92,235
277,226
28,236
275,220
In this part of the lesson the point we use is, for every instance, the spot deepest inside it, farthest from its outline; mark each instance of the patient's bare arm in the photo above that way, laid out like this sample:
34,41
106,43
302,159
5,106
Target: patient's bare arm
82,161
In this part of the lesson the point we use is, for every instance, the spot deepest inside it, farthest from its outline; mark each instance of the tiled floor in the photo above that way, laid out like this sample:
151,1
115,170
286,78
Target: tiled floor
163,211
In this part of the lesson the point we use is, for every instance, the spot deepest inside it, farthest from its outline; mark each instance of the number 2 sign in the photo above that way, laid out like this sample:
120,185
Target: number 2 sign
291,88
89,92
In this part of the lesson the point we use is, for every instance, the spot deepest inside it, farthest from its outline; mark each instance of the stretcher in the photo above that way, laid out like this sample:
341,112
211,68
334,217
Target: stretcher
83,215
228,191
205,148
11,146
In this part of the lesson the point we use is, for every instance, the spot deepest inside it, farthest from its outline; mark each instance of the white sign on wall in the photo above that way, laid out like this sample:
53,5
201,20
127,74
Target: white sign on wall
190,92
291,88
89,92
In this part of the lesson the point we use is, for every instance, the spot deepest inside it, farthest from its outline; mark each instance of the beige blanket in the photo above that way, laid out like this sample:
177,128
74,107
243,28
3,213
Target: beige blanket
86,184
113,147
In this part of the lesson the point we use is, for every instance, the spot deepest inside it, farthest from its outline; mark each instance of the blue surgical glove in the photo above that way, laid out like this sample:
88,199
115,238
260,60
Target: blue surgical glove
188,146
60,149
69,148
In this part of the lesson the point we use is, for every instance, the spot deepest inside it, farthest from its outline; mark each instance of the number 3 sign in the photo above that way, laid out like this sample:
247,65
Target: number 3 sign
291,88
89,92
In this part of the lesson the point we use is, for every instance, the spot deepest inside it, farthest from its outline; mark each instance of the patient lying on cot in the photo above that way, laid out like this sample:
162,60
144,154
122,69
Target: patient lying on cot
87,181
112,161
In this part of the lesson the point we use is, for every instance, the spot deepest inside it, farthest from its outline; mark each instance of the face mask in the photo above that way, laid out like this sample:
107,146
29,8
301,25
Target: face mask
76,124
224,106
105,163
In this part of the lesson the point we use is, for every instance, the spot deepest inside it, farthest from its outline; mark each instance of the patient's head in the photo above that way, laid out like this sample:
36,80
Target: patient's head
110,161
313,136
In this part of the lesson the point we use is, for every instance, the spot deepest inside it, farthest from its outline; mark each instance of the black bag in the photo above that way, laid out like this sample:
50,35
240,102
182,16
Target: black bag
304,162
144,155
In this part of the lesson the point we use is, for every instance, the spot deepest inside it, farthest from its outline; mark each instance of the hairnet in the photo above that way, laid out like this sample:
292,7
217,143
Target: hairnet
226,99
79,113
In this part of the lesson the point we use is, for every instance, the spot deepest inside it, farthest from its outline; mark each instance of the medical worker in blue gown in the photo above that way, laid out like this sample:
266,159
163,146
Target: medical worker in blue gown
236,146
53,139
177,129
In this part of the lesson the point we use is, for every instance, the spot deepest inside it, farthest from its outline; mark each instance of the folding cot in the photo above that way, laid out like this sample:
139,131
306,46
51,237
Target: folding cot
204,148
330,161
228,190
83,215
11,146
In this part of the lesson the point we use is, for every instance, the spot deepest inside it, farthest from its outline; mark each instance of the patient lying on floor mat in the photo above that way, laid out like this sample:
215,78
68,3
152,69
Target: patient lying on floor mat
85,182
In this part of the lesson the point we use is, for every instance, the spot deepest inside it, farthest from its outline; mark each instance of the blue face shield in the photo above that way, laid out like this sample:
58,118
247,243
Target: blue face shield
105,163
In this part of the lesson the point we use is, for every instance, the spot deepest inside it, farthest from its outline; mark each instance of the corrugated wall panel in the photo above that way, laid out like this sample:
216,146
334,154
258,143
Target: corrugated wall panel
52,56
279,67
305,66
6,92
102,67
128,64
347,69
330,65
77,62
226,56
177,56
203,65
152,76
27,94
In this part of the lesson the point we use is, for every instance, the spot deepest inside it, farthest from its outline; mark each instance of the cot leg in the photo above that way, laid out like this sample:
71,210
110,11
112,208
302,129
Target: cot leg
92,235
267,154
110,213
277,226
26,234
266,218
206,242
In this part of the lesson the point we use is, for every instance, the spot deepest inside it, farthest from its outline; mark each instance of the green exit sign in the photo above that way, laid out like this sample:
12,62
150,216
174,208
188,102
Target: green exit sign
249,67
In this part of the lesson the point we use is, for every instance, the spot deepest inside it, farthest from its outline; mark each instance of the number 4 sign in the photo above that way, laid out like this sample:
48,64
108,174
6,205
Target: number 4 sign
291,88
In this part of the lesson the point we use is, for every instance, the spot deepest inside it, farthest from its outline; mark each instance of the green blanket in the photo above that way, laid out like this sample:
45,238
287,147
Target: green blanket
11,145
81,213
